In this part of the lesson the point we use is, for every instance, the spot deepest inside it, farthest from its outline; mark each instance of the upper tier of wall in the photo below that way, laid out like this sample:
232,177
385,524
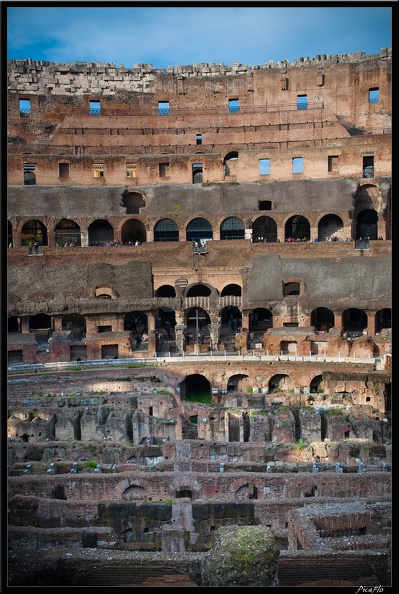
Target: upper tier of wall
82,77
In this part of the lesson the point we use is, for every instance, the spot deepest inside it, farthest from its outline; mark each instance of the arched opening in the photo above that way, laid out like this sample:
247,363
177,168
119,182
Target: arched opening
136,321
67,232
367,225
238,383
166,230
166,322
260,319
133,202
297,228
100,233
264,229
354,321
199,229
231,290
232,228
40,325
29,178
280,383
383,319
76,323
197,320
198,290
330,226
196,388
315,386
165,291
322,319
33,231
291,288
14,325
133,232
229,163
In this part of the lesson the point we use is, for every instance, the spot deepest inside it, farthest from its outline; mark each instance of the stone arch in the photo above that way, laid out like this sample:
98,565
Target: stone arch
330,225
238,382
127,483
199,228
133,201
322,319
297,227
67,231
183,483
232,228
281,382
264,228
166,230
34,230
100,232
133,231
231,289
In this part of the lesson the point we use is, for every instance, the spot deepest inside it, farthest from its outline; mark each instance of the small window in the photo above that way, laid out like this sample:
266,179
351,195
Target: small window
63,170
332,163
95,107
197,173
24,106
234,105
198,139
131,170
98,170
297,165
163,169
29,175
368,166
163,108
104,329
264,166
302,102
374,95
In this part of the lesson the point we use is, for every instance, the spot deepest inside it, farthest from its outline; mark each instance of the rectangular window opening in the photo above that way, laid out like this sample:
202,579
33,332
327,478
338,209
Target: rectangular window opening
234,105
198,139
163,108
332,163
368,166
302,102
131,170
264,166
63,170
163,169
98,170
24,106
95,107
297,165
374,95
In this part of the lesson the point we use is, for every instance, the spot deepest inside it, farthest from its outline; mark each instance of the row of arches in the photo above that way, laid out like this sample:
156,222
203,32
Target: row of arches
263,229
354,320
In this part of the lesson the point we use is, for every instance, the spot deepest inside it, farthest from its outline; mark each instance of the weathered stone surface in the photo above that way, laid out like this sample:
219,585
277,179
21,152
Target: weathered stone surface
242,557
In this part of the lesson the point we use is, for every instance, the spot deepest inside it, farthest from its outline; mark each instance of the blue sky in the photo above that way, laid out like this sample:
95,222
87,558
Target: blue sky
180,35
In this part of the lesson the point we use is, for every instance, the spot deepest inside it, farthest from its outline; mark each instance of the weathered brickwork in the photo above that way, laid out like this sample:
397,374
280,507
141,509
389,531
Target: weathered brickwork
202,337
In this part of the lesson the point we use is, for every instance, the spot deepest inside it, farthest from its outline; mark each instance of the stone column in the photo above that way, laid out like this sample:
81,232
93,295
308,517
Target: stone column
179,336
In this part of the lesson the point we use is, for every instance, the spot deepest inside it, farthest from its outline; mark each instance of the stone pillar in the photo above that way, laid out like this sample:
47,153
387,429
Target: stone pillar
51,238
25,324
57,323
179,336
214,334
371,323
151,318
